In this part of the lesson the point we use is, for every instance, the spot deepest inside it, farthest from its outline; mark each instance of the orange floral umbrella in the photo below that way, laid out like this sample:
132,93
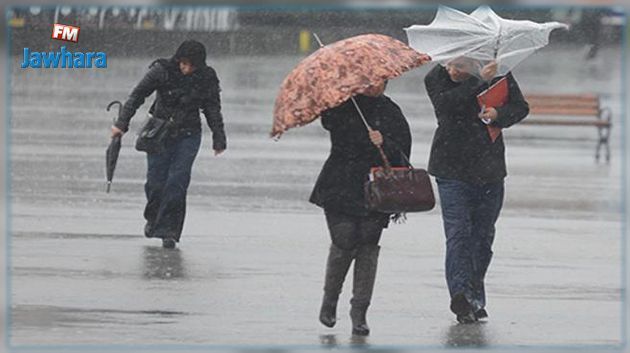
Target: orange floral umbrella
336,72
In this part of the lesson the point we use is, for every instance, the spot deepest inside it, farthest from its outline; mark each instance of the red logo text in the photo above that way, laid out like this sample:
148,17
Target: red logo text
65,32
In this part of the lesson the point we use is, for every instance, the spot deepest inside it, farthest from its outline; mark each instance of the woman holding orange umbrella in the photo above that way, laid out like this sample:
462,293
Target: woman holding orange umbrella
355,230
344,83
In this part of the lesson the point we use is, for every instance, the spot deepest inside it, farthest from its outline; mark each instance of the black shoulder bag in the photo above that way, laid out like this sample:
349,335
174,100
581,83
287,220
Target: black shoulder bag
154,133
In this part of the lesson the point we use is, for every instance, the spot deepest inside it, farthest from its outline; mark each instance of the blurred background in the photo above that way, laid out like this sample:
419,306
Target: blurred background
271,30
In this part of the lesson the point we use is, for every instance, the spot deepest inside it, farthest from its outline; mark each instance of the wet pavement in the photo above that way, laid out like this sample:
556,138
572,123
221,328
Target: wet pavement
249,270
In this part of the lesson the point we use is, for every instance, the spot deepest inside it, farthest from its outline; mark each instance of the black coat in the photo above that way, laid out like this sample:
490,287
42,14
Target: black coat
179,97
340,186
462,148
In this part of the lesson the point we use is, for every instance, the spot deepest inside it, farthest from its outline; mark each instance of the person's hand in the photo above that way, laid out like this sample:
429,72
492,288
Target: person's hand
116,131
425,58
489,71
488,114
376,137
218,152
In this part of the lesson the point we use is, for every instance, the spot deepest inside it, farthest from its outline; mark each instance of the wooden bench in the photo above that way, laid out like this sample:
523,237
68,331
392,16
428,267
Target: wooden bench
572,110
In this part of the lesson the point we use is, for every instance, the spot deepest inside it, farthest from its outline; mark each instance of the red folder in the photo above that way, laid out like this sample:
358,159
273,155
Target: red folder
493,97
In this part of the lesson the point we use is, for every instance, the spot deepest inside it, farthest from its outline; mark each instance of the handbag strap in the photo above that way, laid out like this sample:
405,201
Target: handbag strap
406,159
387,164
404,156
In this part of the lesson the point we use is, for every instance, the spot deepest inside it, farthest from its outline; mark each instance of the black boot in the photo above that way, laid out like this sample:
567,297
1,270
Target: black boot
462,308
169,243
336,269
364,276
148,228
481,314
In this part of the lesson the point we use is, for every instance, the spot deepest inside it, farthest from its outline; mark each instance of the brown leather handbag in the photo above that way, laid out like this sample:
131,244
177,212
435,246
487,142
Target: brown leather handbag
399,190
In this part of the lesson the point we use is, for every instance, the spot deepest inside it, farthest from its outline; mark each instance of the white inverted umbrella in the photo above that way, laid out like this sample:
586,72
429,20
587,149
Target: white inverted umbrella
482,36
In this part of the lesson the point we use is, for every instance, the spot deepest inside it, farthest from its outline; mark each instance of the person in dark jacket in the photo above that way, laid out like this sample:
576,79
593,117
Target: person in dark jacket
469,169
184,85
355,231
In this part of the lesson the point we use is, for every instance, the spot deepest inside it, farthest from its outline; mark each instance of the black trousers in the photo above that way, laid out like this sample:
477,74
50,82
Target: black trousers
349,232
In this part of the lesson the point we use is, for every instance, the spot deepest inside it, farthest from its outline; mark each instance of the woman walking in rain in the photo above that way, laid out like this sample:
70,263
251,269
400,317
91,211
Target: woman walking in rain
469,168
354,230
184,85
476,53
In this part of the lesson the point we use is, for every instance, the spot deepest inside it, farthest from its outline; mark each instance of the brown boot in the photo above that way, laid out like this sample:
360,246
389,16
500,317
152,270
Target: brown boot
364,277
337,266
339,261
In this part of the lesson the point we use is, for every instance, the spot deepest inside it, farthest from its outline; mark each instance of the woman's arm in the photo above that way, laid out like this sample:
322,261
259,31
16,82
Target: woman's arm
149,83
212,110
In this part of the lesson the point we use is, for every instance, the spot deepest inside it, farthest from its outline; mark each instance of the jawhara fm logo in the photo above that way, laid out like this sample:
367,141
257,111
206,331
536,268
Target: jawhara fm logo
63,58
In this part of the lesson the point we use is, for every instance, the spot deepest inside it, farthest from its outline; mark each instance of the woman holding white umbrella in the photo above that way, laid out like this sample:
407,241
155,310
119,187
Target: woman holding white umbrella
469,169
468,154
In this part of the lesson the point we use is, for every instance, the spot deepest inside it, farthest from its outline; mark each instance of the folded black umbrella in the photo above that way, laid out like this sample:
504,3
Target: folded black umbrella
111,155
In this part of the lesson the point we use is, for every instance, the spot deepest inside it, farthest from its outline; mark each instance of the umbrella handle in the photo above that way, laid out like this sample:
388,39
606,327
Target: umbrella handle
109,106
112,103
388,166
321,45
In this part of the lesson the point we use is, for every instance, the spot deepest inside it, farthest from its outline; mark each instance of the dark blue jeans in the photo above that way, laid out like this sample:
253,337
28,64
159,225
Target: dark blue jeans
469,212
168,177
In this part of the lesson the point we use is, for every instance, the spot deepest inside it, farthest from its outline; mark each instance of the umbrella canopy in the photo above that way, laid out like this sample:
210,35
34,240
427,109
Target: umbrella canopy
336,72
111,155
482,36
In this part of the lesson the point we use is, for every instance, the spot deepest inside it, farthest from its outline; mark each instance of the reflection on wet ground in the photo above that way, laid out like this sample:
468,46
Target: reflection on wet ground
331,341
467,336
160,263
44,317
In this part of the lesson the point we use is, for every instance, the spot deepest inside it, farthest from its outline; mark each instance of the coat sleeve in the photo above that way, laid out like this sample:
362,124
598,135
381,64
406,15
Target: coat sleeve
449,101
516,109
149,83
212,110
